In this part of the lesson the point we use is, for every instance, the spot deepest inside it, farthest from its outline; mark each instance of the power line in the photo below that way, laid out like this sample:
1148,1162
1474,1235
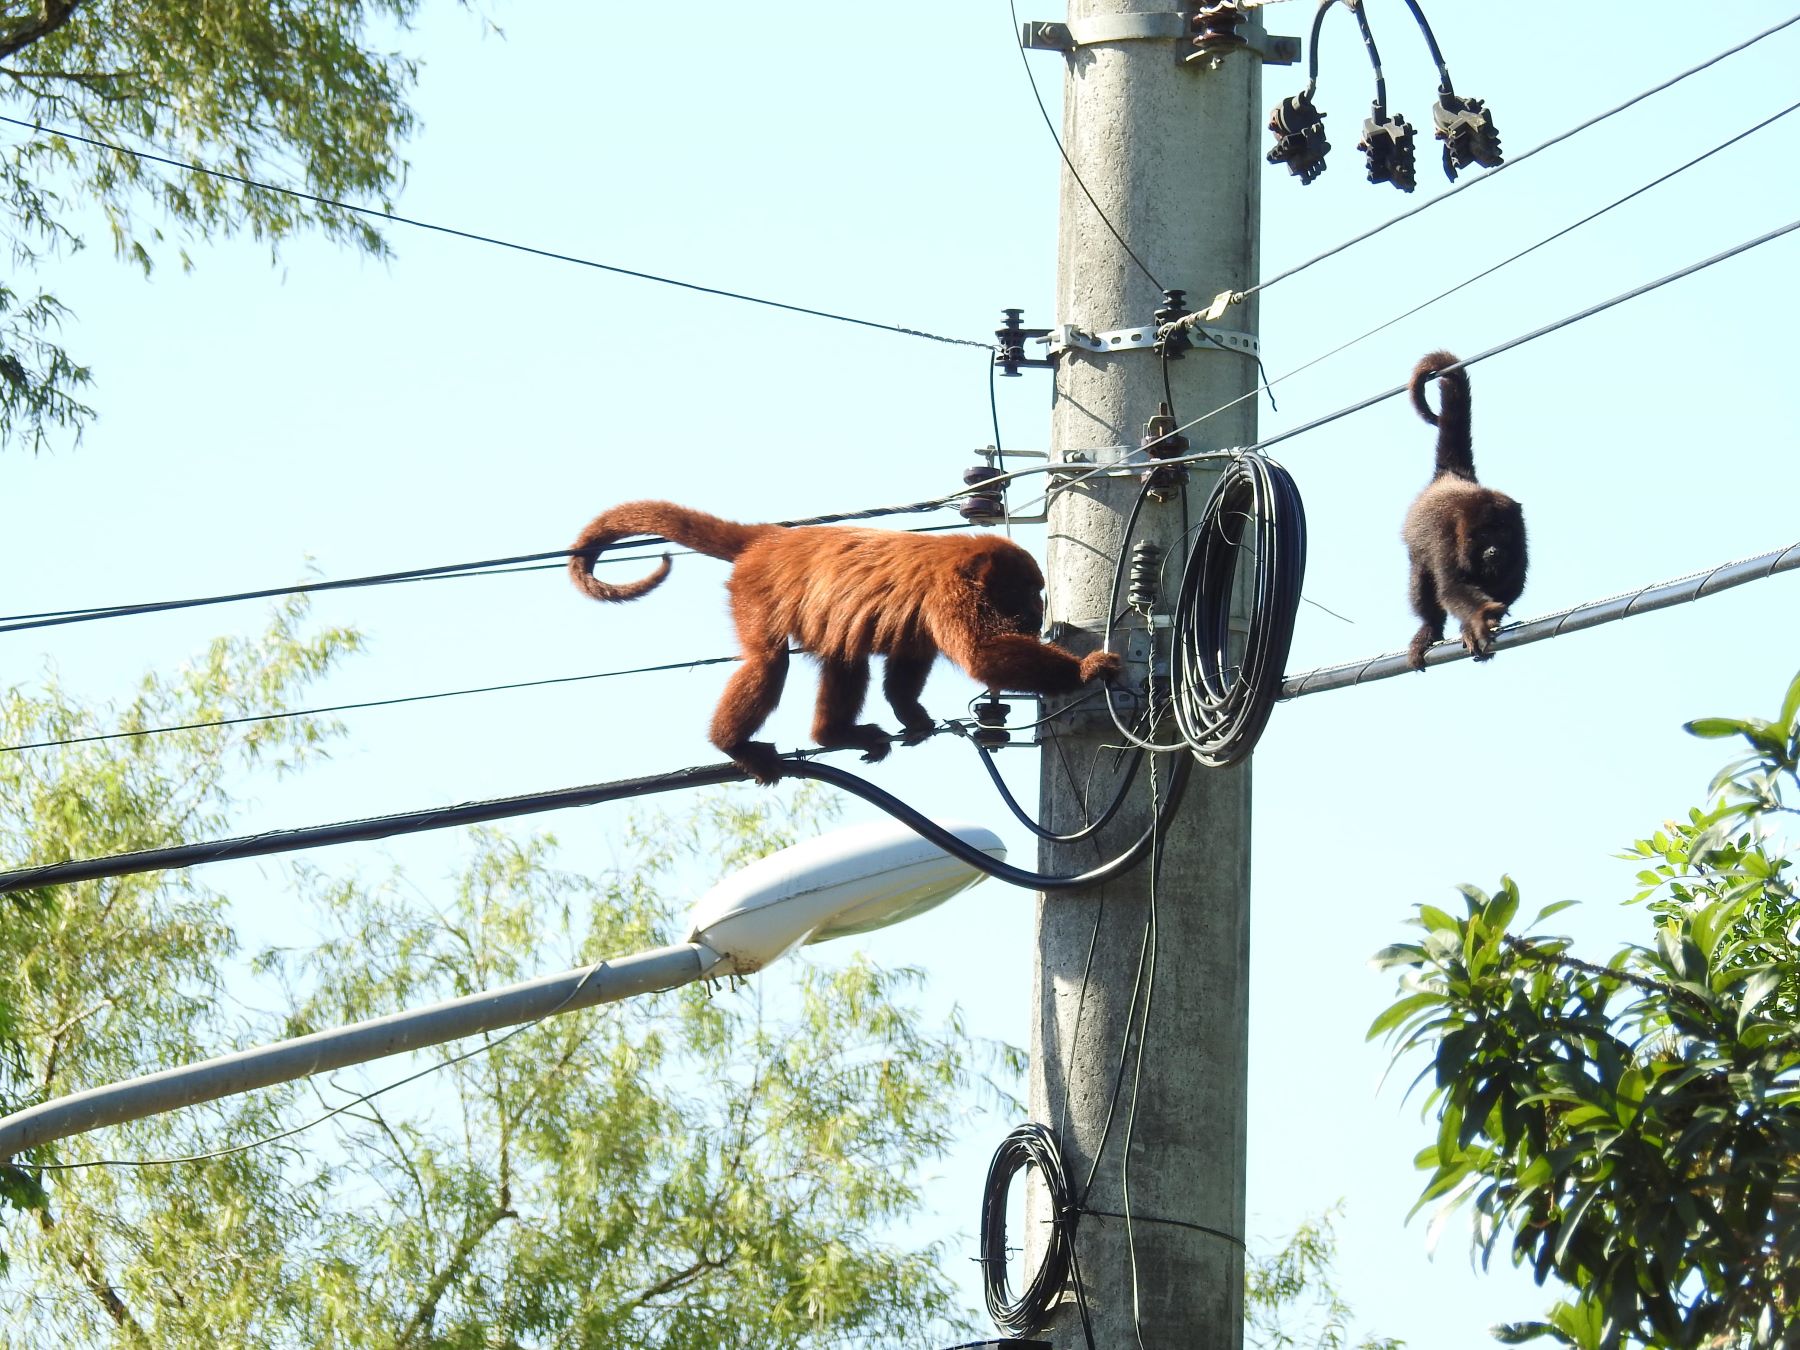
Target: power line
1519,341
368,703
393,218
1662,595
797,764
481,567
1504,262
1557,139
1073,173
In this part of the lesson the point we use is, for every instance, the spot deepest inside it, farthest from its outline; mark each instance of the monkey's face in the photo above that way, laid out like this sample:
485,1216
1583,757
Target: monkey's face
1500,549
1013,589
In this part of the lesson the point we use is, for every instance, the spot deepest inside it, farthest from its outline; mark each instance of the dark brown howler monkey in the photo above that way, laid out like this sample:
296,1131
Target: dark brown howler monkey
1466,542
843,595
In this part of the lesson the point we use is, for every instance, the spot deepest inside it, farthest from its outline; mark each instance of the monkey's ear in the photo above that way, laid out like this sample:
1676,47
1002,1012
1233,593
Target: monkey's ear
977,567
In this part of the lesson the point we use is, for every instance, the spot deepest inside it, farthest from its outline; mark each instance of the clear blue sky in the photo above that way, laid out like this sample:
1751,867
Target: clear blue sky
463,402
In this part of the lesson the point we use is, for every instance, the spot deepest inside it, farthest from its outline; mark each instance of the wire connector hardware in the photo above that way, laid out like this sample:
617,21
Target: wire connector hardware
1388,143
1009,342
1467,131
1162,441
1066,337
1300,142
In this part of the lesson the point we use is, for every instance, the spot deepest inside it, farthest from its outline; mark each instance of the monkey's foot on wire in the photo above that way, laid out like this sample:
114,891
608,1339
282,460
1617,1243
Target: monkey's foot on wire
917,733
759,759
864,736
1478,632
1422,640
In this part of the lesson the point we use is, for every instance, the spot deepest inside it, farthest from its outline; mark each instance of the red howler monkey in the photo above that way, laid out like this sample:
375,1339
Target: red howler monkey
843,595
1466,542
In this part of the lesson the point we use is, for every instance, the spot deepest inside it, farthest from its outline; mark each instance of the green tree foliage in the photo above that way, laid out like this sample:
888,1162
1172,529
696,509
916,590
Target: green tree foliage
1291,1300
297,92
1634,1124
705,1168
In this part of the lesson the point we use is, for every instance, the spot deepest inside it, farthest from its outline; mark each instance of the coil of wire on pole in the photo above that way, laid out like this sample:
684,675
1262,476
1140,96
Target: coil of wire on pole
1222,698
1030,1145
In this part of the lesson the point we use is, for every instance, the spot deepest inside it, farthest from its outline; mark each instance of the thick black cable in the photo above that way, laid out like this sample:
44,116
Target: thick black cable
1073,171
366,703
392,218
1515,160
1437,56
1031,1145
1025,818
502,808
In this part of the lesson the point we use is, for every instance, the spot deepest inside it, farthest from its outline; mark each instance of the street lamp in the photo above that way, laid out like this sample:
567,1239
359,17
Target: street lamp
850,881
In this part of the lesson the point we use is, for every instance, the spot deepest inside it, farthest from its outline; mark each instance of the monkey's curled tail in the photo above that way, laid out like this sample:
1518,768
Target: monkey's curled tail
1454,451
706,534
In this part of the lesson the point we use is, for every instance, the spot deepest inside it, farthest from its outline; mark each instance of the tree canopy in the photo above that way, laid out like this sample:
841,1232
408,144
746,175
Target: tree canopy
1633,1122
704,1168
300,93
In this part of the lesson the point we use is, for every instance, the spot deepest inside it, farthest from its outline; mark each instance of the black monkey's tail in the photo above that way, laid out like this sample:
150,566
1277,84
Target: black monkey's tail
706,534
1454,452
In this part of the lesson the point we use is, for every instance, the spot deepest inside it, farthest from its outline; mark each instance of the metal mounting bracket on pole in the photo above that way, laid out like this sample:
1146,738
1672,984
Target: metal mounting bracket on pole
1170,25
1066,336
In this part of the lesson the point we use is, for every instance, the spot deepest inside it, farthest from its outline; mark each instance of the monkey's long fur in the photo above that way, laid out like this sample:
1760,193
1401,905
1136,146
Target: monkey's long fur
843,595
1466,542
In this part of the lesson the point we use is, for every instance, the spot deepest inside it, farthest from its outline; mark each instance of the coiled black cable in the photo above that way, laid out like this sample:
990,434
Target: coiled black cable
1030,1145
1221,706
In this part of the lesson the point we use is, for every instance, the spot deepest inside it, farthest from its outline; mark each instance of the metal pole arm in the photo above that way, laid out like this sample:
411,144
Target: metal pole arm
227,1075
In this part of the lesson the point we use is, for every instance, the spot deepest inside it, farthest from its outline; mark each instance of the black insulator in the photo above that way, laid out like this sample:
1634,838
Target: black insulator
1146,576
1009,341
1388,143
990,731
1467,131
1162,441
1171,343
985,508
1300,141
1216,28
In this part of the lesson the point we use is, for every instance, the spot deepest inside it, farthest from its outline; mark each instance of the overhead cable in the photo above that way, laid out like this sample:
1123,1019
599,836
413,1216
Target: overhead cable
550,558
1516,159
1503,263
392,218
502,808
1662,595
1073,171
132,733
1373,399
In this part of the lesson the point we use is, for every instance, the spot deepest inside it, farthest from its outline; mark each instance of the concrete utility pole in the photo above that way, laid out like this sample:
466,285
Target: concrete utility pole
1170,151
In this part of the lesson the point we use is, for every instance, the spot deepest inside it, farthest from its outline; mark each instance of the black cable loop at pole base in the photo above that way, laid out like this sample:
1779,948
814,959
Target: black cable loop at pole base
1030,1145
472,813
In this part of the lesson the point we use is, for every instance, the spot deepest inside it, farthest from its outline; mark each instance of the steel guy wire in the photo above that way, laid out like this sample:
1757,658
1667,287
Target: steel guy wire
1661,595
1517,159
396,219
